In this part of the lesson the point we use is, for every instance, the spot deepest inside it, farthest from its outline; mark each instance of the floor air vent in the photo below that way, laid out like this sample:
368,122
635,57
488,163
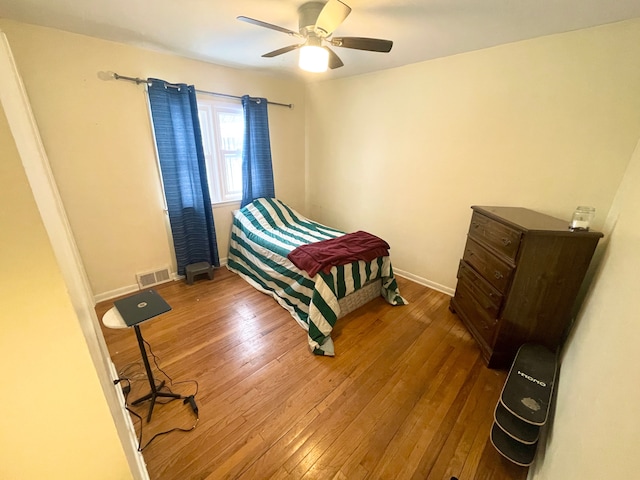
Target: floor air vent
156,277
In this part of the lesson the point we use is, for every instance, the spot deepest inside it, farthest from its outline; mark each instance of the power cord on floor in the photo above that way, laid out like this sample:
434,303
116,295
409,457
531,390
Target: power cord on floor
156,360
126,390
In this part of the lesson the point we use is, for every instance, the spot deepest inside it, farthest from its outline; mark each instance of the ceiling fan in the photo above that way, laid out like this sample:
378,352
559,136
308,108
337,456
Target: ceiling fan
317,22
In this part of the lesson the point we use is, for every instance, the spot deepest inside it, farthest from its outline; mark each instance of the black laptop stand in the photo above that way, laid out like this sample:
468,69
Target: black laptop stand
155,390
135,310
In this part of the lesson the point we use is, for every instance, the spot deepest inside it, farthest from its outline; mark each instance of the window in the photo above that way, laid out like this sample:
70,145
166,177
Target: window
222,125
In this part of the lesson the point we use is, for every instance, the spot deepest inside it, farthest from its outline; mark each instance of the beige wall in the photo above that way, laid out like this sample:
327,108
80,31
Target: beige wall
98,139
55,422
547,124
595,431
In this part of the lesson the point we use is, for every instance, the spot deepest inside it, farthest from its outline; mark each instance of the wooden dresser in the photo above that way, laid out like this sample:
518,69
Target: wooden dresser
518,279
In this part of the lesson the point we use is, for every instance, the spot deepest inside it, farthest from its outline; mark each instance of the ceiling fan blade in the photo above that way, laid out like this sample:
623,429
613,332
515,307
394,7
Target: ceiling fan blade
360,43
334,60
280,51
260,23
331,16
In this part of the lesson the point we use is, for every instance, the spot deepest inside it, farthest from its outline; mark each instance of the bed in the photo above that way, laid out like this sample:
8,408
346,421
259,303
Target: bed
265,231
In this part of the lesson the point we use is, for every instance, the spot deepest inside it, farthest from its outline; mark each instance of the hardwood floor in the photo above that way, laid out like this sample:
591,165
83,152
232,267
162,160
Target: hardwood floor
407,395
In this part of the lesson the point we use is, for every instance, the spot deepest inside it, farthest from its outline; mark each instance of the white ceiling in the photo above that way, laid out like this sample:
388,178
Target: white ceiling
420,29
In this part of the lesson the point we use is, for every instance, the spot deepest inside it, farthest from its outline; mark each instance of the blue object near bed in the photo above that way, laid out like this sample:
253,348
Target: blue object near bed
262,235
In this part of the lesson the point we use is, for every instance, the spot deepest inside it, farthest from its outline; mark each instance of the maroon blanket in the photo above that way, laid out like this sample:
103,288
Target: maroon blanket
349,248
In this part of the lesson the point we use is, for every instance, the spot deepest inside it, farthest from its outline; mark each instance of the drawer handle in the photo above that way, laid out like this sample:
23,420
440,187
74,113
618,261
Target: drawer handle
498,275
475,224
506,242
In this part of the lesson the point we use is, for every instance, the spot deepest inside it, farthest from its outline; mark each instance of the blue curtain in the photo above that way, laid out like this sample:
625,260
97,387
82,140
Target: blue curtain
257,171
177,129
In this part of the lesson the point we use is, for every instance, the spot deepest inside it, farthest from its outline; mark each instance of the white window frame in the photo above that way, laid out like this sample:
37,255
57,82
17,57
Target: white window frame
217,171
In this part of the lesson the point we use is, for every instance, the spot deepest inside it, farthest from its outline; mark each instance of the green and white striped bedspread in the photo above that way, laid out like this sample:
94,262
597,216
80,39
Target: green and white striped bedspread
264,232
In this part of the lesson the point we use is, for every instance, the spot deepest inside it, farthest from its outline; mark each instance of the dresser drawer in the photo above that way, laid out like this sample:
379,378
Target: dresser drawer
498,236
487,296
478,317
490,267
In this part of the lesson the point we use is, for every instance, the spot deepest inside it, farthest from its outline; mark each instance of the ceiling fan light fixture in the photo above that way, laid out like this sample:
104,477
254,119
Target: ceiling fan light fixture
314,59
317,21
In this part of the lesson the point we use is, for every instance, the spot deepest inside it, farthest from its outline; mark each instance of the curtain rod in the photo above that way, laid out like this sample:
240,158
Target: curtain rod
138,81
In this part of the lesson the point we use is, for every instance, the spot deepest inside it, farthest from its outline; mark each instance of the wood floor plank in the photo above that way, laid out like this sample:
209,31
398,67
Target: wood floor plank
406,396
468,423
397,399
419,437
356,397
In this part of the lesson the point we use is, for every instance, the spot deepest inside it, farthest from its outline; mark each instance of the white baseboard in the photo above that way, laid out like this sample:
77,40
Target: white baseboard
142,471
423,281
118,292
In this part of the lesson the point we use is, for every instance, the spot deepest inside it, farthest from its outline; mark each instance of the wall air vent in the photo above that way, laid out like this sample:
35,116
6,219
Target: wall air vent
148,279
